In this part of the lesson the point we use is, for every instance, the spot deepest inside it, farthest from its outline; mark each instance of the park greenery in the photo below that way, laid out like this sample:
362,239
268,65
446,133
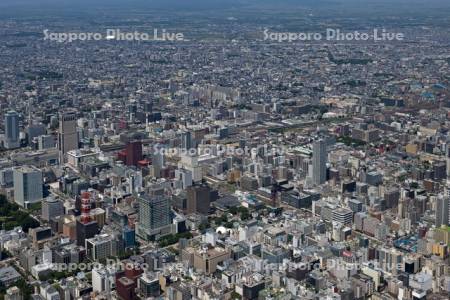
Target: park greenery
11,215
173,238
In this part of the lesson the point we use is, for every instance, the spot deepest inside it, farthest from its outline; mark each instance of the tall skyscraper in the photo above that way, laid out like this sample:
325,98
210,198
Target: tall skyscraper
198,199
442,211
319,162
157,161
132,111
28,185
86,226
134,153
186,140
67,135
447,159
154,217
158,158
12,139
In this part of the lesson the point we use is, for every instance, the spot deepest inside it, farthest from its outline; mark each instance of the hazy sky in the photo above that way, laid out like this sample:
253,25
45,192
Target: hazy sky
196,3
249,6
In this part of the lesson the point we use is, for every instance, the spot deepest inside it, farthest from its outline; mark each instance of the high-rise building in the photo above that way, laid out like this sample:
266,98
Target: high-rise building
103,279
125,288
129,236
35,130
389,259
134,180
154,212
198,199
7,177
154,217
67,135
149,286
85,231
157,161
355,205
100,247
186,140
132,111
134,153
148,106
185,177
52,207
442,211
28,185
447,159
192,164
391,197
46,142
86,227
342,215
319,162
12,132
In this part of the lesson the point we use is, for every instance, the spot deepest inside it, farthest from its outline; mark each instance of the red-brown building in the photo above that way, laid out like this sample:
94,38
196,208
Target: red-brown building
125,288
132,154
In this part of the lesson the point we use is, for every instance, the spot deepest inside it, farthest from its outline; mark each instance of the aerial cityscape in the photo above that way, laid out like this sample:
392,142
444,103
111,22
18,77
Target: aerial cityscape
225,149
